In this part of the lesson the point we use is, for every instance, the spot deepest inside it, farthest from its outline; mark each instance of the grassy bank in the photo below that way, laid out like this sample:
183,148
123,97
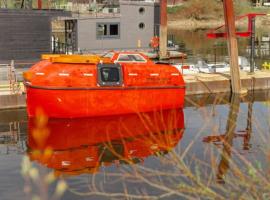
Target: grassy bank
196,14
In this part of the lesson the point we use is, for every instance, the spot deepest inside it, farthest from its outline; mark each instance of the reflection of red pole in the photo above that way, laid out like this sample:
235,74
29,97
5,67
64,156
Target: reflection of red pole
39,4
232,45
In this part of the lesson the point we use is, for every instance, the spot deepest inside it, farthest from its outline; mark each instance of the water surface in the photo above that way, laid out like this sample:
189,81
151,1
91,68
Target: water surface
213,141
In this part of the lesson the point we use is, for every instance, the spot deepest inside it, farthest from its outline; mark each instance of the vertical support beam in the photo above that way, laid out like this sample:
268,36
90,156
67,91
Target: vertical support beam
252,44
232,46
39,4
163,30
66,36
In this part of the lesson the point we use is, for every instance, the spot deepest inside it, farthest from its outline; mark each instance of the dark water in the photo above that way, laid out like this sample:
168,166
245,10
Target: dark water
161,154
197,46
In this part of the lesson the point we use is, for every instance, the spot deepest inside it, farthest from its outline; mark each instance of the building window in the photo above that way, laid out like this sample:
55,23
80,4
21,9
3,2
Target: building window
114,29
101,29
141,25
108,30
141,10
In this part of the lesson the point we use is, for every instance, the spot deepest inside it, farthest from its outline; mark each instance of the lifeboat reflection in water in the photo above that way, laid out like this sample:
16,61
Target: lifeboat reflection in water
75,146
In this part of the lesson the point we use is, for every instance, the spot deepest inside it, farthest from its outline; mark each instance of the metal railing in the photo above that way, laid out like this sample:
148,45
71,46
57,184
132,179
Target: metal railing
8,79
61,48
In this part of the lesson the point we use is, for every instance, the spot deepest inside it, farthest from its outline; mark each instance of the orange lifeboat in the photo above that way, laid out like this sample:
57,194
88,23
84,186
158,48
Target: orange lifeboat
76,146
70,86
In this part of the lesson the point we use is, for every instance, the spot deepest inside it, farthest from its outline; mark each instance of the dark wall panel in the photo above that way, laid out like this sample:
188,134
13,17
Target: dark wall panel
25,34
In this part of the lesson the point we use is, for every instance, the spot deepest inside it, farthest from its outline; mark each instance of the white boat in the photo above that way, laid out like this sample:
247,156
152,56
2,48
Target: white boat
203,67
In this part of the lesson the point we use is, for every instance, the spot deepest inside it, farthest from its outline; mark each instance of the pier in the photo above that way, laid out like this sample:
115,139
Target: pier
203,83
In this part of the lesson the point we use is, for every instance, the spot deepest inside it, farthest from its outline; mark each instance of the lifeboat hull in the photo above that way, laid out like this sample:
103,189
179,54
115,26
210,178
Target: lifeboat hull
73,103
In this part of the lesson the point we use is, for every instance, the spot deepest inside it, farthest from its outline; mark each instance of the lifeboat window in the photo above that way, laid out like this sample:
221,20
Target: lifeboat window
109,74
124,57
138,58
130,58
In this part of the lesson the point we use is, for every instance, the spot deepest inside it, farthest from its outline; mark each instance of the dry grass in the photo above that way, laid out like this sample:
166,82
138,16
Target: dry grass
197,10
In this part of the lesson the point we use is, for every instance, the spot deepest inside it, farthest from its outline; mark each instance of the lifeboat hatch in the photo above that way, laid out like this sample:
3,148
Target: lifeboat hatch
109,74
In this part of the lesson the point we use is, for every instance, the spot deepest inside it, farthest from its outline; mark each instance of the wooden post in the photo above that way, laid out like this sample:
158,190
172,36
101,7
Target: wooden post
39,4
163,30
232,46
224,163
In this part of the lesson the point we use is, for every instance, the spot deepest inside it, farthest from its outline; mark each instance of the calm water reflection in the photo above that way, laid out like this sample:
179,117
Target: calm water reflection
198,46
84,145
147,155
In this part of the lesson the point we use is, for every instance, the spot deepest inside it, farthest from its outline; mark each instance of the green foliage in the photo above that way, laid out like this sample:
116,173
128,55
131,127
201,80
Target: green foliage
173,10
243,7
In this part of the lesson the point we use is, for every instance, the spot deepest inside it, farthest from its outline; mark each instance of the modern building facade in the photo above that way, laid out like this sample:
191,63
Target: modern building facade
132,28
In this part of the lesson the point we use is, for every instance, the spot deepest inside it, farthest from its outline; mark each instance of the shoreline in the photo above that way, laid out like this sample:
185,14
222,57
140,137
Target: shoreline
191,24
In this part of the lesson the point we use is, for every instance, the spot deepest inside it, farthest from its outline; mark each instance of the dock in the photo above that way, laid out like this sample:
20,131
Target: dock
196,84
204,83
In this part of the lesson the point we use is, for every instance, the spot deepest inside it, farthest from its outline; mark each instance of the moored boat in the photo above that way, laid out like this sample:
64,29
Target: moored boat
69,86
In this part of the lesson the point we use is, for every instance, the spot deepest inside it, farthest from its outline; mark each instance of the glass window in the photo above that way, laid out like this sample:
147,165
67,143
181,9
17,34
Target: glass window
110,74
108,30
138,58
124,57
114,29
131,58
141,25
101,29
141,10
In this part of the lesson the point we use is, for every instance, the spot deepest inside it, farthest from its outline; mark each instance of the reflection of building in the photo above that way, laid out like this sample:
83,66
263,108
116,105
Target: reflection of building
132,28
12,130
11,138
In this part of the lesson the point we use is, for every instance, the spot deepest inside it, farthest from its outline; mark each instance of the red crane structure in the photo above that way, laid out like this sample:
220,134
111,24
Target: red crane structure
214,34
231,36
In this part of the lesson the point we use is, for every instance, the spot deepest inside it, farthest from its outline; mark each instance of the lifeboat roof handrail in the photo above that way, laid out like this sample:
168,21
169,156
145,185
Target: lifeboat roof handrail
75,59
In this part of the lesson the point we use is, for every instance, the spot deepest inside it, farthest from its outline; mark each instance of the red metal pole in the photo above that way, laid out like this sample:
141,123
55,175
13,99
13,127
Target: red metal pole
232,46
163,30
39,4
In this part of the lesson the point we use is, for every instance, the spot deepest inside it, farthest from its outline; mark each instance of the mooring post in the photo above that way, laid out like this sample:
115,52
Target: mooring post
39,4
232,46
163,30
224,163
252,44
